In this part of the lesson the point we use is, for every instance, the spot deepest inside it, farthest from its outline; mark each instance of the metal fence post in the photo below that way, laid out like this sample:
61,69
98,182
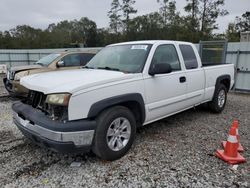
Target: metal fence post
200,48
236,66
9,59
224,52
28,58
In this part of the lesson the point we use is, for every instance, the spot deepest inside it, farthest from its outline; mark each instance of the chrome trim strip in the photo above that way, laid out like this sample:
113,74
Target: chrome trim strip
78,138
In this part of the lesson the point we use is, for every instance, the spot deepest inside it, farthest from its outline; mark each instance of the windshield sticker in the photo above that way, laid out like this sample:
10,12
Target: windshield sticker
139,47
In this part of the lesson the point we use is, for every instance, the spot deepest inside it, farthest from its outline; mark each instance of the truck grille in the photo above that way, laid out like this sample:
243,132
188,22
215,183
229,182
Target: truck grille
36,100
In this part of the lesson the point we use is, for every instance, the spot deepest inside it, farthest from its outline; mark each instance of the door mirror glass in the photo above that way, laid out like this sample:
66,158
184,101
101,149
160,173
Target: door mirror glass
160,68
60,64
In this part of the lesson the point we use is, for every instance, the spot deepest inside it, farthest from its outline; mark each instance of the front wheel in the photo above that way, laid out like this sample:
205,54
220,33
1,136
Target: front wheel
219,100
115,133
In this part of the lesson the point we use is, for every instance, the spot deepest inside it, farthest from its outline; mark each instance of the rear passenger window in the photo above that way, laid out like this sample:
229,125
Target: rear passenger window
189,57
167,54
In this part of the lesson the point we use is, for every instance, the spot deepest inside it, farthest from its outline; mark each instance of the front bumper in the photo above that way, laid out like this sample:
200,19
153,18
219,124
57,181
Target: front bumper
8,86
72,136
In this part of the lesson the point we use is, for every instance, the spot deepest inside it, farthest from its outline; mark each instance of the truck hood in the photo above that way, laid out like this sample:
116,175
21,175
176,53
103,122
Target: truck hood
70,81
25,67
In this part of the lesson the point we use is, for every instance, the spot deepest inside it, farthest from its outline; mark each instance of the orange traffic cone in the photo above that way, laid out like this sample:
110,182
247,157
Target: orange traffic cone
236,125
230,154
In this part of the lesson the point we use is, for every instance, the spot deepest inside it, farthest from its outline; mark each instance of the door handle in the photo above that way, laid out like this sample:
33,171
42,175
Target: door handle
182,79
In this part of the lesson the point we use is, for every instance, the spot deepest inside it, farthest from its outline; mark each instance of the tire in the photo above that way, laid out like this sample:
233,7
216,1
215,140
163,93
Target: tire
219,100
107,143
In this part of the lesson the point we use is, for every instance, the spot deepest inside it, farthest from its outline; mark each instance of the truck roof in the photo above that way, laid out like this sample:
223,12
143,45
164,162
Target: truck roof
88,51
151,42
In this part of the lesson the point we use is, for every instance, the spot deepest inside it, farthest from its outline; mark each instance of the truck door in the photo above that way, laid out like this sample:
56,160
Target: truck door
165,93
195,75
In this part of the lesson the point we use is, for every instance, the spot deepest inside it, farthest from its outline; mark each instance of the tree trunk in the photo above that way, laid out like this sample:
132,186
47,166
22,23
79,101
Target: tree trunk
203,16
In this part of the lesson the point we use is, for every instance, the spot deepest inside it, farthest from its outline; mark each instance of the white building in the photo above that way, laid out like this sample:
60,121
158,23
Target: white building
245,36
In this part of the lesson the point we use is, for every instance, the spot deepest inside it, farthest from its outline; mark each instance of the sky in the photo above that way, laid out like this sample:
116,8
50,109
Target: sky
40,13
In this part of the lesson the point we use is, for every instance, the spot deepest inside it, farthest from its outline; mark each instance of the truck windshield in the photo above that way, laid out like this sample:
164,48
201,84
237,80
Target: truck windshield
45,61
129,58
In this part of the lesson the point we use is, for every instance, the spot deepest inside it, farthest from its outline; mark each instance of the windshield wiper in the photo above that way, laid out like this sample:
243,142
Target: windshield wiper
109,68
40,64
87,67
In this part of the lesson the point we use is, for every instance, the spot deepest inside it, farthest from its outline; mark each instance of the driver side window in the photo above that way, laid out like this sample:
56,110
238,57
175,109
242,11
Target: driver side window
72,60
167,54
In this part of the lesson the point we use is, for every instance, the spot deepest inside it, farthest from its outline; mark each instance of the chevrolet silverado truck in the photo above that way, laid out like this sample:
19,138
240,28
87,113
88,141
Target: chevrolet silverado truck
52,62
125,86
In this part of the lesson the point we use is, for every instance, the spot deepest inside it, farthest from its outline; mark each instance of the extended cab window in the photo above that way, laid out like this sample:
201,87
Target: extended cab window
72,60
167,54
189,57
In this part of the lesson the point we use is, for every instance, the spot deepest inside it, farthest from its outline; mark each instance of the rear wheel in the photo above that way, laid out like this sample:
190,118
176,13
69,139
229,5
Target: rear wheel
115,133
219,100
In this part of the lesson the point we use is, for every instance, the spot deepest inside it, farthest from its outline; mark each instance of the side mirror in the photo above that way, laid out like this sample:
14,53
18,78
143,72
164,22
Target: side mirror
160,68
60,64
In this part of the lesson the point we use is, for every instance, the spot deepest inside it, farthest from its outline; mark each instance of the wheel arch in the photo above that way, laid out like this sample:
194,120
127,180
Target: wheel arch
223,79
133,101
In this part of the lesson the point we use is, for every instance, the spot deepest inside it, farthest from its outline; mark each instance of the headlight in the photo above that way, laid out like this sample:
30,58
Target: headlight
10,75
19,75
61,99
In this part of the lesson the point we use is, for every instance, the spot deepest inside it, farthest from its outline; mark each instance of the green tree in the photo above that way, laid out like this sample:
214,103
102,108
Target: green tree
202,17
168,11
103,37
115,16
7,40
146,27
209,11
172,22
163,10
243,22
85,31
71,33
231,33
26,37
192,20
128,9
150,27
198,24
172,14
60,34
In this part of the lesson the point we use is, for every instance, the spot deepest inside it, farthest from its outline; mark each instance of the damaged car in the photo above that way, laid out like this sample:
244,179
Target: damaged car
53,62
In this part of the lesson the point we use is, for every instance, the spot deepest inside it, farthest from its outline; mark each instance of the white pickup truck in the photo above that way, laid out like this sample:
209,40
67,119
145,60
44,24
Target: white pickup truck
124,86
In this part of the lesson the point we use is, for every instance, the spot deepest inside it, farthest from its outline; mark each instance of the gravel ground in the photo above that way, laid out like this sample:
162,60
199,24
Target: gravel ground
175,152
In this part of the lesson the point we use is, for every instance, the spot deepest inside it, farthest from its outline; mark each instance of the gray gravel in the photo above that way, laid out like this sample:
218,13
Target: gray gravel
175,152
